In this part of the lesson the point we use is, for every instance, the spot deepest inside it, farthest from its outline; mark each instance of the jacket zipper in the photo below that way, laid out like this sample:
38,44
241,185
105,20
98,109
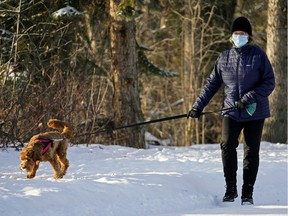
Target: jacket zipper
237,78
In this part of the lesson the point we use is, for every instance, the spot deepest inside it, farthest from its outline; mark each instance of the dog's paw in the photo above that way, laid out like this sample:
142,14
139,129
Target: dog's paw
63,172
30,176
57,176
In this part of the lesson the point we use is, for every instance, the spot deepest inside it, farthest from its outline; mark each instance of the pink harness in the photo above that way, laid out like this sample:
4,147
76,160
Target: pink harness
48,143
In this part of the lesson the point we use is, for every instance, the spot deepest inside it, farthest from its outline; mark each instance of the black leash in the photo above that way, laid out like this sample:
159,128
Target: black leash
169,118
153,121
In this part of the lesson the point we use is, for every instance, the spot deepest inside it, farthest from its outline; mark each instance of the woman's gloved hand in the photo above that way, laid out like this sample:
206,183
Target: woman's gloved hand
240,104
194,113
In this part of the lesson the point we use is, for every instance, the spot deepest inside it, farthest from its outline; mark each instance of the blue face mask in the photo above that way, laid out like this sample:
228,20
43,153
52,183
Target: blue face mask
239,40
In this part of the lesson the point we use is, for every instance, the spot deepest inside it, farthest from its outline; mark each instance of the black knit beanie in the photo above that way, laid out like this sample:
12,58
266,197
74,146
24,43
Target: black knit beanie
241,24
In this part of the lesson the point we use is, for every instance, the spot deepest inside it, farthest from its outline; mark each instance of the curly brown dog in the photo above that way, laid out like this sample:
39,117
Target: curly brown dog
50,146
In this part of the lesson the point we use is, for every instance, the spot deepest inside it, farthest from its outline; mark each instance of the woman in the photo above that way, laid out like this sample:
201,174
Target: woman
248,80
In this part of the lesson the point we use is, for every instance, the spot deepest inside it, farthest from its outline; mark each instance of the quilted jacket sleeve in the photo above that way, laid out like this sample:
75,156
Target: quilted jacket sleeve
212,85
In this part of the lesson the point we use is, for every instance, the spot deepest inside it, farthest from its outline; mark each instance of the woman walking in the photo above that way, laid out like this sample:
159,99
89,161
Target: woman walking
248,80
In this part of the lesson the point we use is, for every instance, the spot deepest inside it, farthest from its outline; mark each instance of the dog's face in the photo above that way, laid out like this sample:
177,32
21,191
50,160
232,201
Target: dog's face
26,161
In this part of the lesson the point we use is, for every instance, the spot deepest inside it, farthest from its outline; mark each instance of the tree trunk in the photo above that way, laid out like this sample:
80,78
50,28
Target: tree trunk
126,101
191,75
276,126
187,77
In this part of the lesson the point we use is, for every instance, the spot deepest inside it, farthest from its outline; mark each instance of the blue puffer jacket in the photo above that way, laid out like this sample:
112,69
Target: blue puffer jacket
246,74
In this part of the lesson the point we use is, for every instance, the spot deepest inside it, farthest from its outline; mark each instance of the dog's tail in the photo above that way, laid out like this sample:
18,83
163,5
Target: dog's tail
67,129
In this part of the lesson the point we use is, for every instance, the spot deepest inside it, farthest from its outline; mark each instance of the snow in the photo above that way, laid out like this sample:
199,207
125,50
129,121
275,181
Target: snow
66,11
160,181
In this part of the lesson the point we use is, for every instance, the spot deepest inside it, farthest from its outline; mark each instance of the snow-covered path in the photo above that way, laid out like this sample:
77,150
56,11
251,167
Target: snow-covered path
120,181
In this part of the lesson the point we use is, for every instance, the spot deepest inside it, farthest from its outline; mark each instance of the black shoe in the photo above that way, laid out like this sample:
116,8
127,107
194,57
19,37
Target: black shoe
247,198
231,192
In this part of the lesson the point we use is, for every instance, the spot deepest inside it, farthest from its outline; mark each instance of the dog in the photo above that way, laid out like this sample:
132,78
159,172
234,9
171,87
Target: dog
50,146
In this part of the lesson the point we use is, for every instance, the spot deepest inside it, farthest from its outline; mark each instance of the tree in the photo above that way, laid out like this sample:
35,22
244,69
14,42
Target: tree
201,46
192,48
48,69
276,126
126,101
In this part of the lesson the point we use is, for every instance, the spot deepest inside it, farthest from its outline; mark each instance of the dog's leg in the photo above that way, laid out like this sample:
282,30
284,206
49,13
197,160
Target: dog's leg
64,163
56,168
32,173
62,157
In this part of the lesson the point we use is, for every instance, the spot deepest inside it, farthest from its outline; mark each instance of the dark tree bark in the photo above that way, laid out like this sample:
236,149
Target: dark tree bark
276,126
126,101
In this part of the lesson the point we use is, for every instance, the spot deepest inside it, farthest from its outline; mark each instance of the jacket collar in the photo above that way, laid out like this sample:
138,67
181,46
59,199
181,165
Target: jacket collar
243,49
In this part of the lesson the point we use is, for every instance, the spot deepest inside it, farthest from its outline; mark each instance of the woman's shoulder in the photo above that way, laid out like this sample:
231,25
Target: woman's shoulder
256,49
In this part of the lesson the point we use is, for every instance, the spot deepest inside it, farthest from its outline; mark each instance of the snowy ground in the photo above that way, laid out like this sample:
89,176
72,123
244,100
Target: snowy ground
119,181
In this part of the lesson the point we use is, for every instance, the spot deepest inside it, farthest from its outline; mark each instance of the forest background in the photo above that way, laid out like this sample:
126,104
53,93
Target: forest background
105,63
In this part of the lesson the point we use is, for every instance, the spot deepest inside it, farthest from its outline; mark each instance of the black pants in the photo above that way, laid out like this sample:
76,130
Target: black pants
252,131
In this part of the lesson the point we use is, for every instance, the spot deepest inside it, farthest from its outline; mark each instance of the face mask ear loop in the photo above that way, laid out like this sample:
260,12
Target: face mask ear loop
231,41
